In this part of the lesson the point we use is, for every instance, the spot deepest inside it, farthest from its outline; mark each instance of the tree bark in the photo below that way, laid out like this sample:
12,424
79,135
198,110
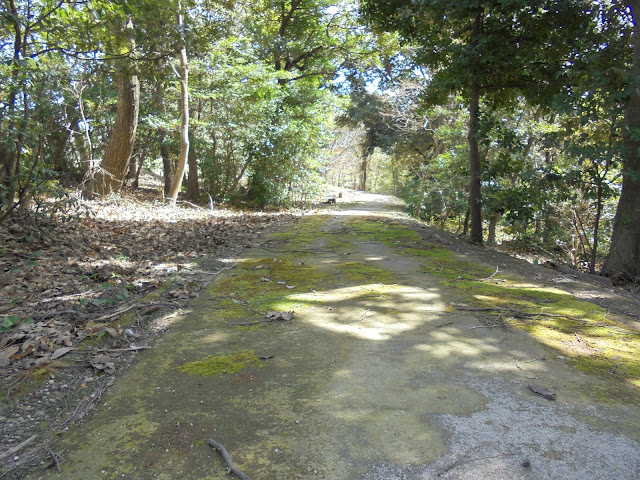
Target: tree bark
115,162
193,189
10,148
364,161
184,115
493,223
623,261
475,193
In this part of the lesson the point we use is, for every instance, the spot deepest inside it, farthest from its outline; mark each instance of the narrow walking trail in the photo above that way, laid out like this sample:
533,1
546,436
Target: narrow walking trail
398,363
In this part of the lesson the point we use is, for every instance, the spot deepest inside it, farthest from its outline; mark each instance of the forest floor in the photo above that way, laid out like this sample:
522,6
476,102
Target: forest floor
345,343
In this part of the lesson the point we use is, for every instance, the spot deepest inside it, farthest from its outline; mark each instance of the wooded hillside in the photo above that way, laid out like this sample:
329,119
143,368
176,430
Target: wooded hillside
505,121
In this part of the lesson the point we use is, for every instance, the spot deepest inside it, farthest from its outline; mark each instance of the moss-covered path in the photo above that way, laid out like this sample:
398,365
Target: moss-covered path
403,360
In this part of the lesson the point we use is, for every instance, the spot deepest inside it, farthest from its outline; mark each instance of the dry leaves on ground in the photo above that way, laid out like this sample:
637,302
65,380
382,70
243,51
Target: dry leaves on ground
61,282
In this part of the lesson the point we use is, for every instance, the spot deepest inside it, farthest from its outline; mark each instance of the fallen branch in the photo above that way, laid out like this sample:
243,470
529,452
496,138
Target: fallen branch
520,368
202,272
102,350
56,460
227,458
493,274
17,448
272,317
83,407
462,461
131,307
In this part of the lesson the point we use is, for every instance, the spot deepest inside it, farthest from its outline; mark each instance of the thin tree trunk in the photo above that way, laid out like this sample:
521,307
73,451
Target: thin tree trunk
115,162
364,161
493,223
193,189
184,115
596,228
465,227
475,193
10,148
623,261
167,171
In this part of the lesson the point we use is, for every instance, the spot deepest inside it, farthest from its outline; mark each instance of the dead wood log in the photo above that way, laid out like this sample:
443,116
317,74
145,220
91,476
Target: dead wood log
227,458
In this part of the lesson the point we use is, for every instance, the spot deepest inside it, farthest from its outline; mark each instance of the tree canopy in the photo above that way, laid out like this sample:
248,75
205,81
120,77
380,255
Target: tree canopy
526,109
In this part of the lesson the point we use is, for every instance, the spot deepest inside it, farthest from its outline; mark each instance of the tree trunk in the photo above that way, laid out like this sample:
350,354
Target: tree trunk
115,162
623,261
10,146
362,186
184,115
167,171
493,223
475,193
193,189
465,227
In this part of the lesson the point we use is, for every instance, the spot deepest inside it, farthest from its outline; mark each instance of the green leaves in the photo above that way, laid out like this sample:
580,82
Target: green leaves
11,321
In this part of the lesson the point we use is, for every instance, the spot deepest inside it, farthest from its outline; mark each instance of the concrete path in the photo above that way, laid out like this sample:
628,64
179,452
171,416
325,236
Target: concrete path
375,377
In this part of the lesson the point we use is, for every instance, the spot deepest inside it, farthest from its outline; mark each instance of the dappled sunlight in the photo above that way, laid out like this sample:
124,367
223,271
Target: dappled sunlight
213,338
447,345
365,330
166,321
371,312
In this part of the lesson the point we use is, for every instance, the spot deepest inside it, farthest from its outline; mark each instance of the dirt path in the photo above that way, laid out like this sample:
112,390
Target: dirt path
386,371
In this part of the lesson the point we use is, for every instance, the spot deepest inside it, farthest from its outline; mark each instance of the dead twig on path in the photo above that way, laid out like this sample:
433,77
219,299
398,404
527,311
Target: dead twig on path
102,350
227,458
17,448
444,325
83,407
493,274
131,307
520,368
56,459
465,460
203,272
272,317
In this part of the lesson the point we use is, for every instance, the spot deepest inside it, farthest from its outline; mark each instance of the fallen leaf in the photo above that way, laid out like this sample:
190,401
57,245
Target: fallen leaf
60,352
149,309
103,362
9,351
111,331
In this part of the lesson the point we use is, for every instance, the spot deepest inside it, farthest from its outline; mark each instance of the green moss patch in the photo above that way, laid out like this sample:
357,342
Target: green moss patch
360,272
213,365
304,233
441,262
389,233
264,284
580,330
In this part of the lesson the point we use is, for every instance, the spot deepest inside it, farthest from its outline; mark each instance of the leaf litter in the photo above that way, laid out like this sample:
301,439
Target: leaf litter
73,288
